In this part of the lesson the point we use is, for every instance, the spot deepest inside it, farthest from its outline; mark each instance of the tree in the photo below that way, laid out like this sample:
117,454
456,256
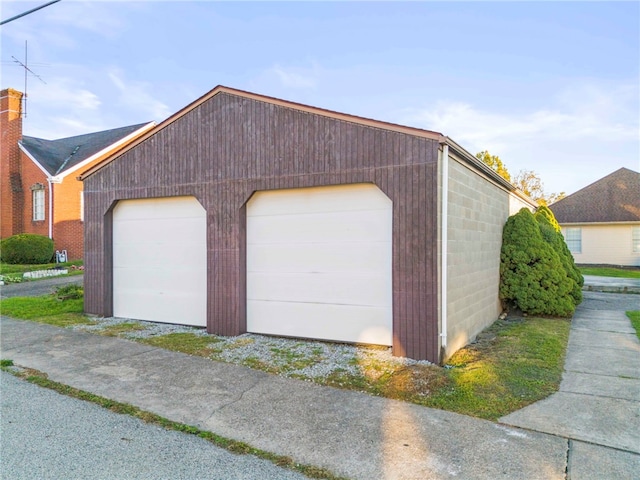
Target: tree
528,182
494,162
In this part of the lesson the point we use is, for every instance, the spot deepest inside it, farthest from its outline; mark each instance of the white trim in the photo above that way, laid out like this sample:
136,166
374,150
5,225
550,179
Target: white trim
106,150
82,206
444,239
50,208
26,152
587,224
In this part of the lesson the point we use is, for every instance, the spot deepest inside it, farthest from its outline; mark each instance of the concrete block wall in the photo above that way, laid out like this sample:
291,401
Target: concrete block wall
478,210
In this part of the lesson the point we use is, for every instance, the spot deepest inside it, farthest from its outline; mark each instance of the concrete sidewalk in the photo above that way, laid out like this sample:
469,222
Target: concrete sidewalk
352,434
599,397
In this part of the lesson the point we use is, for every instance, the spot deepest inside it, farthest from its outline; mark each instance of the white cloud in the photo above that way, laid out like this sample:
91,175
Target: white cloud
62,107
136,95
579,136
595,114
295,77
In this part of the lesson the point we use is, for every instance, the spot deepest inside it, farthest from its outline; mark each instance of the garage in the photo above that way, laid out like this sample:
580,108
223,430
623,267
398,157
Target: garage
160,260
319,263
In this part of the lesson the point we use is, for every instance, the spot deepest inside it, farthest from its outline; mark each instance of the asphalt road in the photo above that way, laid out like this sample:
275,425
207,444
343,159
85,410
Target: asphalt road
37,287
46,435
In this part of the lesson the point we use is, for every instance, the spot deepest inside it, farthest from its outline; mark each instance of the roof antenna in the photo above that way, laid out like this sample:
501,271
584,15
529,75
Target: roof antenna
27,70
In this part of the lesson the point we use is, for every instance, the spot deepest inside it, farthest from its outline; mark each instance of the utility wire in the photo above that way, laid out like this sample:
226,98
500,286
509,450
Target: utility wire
28,12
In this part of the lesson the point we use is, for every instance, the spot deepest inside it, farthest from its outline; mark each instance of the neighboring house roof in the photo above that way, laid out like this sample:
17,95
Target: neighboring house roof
58,156
464,154
614,198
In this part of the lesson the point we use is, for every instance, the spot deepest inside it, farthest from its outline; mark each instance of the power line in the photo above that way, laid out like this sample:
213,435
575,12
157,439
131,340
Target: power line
28,12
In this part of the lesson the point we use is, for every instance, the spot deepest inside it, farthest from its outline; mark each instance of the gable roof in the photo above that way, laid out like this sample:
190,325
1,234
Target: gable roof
56,157
614,198
464,154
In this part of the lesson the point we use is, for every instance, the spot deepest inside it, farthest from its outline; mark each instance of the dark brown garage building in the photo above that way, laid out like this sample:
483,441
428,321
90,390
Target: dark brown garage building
248,213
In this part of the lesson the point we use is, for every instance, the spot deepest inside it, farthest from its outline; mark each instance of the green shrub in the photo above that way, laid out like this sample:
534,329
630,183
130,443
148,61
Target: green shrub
69,292
544,213
26,248
551,233
532,276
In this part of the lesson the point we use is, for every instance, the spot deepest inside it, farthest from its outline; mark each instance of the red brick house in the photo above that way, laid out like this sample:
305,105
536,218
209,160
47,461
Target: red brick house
39,192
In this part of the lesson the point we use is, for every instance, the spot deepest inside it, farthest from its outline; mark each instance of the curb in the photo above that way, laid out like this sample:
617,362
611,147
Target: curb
605,289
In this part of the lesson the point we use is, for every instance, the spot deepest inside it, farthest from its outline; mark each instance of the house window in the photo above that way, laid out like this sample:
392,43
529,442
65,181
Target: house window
574,240
636,239
38,201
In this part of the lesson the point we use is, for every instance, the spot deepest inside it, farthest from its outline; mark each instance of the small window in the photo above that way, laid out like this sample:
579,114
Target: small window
636,239
38,204
574,239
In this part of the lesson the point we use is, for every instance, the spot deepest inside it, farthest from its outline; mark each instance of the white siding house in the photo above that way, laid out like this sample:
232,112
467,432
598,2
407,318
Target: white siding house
601,222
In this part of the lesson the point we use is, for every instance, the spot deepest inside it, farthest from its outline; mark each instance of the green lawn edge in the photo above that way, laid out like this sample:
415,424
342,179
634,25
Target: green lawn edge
610,272
634,316
521,363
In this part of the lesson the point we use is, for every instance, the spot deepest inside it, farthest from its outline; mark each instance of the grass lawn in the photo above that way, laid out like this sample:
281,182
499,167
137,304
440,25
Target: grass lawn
634,316
610,272
6,268
14,273
45,309
518,362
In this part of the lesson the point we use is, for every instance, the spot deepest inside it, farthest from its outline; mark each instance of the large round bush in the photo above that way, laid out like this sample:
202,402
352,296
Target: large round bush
532,277
26,248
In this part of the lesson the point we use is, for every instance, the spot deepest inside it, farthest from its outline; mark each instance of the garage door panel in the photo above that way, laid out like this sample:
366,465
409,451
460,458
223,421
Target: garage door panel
147,305
339,288
320,199
321,227
160,260
293,257
342,323
157,208
319,263
156,229
162,279
187,255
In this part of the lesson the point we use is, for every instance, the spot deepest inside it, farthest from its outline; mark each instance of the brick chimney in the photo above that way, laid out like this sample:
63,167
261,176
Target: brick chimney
11,195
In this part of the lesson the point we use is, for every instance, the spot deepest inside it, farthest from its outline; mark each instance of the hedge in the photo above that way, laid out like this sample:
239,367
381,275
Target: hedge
26,248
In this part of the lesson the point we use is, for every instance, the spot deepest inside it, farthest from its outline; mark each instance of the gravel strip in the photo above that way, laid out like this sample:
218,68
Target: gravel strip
288,357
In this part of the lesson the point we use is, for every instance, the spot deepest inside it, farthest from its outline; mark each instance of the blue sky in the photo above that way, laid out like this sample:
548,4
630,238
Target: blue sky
548,86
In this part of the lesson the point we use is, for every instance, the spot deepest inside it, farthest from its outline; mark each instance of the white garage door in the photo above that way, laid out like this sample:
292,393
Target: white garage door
160,260
319,263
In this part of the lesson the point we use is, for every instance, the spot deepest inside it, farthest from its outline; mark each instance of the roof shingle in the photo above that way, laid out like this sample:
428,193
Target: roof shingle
56,156
614,198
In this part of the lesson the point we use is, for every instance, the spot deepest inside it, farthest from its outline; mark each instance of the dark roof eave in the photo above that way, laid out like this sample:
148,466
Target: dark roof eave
479,165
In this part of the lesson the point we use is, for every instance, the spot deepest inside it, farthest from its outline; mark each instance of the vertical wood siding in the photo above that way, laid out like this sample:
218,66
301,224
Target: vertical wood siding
229,147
